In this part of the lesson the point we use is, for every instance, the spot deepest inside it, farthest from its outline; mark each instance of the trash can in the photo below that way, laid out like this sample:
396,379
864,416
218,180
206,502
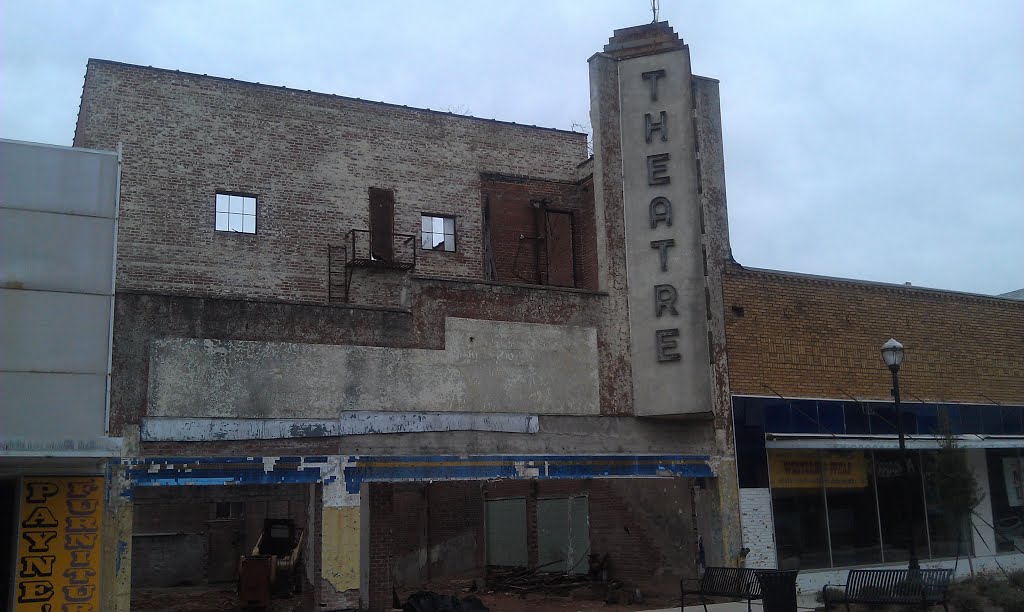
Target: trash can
778,589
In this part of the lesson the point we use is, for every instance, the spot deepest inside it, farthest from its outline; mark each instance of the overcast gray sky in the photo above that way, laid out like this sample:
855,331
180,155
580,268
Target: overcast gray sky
872,139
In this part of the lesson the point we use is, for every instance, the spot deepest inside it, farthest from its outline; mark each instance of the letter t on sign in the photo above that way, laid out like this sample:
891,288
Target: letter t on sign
663,246
653,77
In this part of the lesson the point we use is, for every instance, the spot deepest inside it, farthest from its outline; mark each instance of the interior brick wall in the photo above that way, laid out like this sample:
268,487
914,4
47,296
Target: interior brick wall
806,336
165,519
309,158
416,518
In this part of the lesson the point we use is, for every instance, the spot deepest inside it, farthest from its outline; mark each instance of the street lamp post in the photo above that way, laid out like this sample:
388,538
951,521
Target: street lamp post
892,354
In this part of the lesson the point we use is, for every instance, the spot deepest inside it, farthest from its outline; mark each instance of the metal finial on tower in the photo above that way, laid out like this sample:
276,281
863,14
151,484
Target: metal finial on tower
655,8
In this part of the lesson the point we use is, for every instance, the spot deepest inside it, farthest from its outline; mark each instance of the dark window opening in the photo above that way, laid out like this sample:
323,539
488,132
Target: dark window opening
382,224
229,510
559,250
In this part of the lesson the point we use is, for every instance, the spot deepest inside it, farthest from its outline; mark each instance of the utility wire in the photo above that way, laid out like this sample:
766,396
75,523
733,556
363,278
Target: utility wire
798,409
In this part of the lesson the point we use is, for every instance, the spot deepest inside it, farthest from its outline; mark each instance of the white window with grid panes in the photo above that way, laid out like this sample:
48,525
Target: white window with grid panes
236,213
437,233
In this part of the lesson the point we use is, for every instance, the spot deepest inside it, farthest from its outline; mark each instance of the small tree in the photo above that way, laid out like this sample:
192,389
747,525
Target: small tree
956,486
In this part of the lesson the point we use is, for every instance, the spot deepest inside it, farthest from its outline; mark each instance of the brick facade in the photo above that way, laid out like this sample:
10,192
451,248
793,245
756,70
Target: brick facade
817,337
309,158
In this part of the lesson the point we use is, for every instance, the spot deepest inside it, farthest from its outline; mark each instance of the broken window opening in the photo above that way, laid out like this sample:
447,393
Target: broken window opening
437,233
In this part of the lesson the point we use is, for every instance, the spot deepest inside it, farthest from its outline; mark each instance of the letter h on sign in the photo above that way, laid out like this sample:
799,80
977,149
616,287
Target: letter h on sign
651,126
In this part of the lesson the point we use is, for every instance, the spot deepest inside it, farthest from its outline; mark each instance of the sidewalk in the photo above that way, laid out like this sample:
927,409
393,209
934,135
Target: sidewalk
732,606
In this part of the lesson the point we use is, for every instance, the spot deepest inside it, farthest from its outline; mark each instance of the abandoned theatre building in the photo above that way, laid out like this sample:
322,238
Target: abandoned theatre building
440,343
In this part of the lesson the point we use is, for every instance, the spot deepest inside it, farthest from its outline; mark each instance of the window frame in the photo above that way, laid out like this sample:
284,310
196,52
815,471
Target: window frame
238,194
454,234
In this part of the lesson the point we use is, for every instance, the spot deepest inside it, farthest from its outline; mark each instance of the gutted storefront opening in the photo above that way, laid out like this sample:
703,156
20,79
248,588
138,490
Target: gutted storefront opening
196,535
521,535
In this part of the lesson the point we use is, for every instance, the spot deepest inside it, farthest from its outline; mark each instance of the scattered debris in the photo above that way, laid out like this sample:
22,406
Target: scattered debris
528,580
428,601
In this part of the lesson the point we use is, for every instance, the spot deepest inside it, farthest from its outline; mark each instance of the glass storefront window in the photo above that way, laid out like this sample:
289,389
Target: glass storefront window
820,522
1006,492
943,530
852,513
799,508
826,508
892,500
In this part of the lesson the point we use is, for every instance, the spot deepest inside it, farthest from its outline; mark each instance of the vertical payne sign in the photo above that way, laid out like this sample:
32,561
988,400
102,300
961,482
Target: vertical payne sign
59,548
664,258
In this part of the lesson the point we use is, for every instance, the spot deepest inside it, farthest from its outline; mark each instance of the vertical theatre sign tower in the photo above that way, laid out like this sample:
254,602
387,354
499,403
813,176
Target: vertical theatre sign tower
642,97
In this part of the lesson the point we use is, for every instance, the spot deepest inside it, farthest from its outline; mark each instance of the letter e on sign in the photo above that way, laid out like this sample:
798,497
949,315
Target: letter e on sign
666,343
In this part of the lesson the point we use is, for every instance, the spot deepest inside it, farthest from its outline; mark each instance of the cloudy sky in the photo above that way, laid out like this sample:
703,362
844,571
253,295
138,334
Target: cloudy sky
872,139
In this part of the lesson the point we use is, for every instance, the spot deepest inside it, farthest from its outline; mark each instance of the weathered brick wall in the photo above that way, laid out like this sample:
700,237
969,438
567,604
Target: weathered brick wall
435,532
381,544
818,337
310,158
519,255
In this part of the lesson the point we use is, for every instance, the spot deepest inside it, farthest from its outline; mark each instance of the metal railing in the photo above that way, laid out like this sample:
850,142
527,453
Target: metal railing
357,251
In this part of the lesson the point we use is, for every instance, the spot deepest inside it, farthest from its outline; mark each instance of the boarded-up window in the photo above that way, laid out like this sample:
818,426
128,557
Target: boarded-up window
382,223
563,534
539,232
506,532
558,229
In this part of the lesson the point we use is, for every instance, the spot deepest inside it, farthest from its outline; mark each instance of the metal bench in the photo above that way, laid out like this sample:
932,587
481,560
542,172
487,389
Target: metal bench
734,582
926,588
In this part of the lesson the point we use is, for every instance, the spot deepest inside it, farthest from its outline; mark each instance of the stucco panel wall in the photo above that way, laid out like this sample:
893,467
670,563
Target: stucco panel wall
485,366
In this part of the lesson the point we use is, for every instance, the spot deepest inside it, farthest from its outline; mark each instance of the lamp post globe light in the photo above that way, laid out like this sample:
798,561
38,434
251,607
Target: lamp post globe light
892,355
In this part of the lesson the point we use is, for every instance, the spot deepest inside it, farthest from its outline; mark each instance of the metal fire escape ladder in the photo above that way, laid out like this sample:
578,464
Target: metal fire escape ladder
355,252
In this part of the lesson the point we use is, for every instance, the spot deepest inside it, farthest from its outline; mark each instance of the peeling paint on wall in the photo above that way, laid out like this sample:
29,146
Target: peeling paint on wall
350,423
340,549
353,471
